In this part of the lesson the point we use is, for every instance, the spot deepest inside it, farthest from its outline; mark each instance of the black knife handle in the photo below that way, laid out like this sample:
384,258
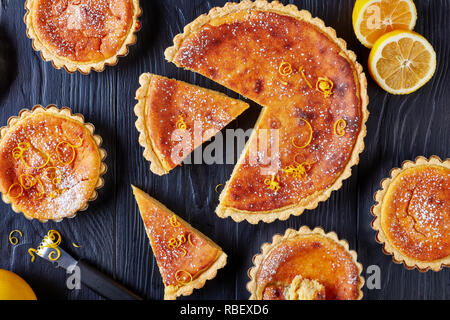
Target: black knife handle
103,284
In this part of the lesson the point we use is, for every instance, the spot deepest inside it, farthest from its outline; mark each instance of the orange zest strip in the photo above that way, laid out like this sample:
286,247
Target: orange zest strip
309,138
55,237
272,184
31,252
174,222
40,194
180,124
339,127
18,151
11,187
304,77
181,239
325,86
14,240
190,240
27,181
52,254
285,68
183,277
80,143
299,171
172,243
51,240
53,194
59,155
54,174
217,187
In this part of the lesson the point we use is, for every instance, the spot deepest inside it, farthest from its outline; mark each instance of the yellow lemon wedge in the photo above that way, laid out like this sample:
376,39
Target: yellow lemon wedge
13,287
373,18
402,61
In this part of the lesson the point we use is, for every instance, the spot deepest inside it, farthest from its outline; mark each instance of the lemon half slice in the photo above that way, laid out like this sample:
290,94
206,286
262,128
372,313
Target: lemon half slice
373,18
402,61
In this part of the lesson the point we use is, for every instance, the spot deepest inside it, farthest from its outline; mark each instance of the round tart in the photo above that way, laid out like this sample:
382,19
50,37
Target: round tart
50,163
313,92
306,265
412,214
82,34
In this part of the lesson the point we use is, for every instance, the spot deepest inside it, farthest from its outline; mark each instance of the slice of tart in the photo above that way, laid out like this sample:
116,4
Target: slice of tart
412,214
306,265
175,117
51,163
314,97
186,258
82,34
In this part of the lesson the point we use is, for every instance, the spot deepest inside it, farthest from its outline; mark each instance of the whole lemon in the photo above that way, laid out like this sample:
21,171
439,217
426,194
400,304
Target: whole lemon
13,287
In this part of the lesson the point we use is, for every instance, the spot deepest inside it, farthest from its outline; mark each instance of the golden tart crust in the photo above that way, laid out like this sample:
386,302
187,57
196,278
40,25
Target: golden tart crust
243,47
412,214
82,35
311,254
164,104
186,257
51,163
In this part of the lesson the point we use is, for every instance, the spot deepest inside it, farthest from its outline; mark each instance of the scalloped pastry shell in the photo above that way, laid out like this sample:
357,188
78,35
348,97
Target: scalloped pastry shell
71,66
149,152
388,249
312,201
66,112
277,239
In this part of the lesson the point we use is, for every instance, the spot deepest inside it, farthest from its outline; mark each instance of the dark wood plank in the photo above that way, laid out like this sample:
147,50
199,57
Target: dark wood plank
111,232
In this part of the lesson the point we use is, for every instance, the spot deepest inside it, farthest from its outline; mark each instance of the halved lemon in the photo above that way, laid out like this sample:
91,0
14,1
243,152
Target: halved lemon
402,61
373,18
13,287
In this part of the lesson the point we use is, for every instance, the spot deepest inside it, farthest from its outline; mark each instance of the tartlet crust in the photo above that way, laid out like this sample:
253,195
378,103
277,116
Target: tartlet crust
388,249
277,239
150,153
71,66
66,113
312,201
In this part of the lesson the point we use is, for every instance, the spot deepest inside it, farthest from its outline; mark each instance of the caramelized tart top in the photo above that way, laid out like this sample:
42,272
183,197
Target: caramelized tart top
312,256
83,30
50,166
314,98
415,212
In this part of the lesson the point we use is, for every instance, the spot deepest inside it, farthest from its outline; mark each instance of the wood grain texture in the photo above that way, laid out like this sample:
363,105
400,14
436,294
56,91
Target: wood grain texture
111,231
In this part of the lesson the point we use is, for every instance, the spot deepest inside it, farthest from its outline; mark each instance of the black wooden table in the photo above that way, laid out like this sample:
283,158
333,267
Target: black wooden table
111,231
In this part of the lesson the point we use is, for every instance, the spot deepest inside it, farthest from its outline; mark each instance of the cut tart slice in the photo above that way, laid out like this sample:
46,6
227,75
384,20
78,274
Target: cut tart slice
412,214
306,264
82,35
186,258
175,117
314,97
51,163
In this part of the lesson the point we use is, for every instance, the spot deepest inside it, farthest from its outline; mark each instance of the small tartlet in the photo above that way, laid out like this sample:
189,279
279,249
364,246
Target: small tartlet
72,180
385,198
256,290
49,51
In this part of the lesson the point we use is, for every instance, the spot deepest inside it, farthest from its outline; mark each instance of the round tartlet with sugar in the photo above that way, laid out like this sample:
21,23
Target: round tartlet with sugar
306,264
412,214
51,163
82,35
